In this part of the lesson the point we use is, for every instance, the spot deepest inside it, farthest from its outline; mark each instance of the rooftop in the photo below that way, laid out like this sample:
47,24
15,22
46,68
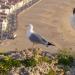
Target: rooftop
3,13
5,7
12,2
1,20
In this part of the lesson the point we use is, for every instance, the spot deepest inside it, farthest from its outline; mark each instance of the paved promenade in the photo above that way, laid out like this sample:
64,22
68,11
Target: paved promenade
51,19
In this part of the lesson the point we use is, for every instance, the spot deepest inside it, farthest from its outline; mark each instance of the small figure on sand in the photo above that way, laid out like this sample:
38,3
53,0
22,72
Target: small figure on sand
74,11
72,19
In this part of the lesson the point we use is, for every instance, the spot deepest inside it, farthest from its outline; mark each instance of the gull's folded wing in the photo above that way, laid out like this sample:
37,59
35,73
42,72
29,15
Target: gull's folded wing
36,38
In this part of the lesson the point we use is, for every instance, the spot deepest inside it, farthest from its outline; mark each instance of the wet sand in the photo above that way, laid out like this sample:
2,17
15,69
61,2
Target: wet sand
51,18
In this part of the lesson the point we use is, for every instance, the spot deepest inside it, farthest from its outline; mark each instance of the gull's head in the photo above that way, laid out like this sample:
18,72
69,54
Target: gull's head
29,30
30,26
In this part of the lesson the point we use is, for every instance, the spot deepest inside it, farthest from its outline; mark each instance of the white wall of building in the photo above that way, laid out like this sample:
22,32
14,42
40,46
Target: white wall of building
7,11
4,24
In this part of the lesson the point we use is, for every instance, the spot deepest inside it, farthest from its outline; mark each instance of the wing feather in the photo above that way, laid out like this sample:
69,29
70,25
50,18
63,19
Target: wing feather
36,38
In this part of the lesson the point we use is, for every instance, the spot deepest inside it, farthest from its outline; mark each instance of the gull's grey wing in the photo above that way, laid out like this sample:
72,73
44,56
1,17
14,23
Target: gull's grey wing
36,38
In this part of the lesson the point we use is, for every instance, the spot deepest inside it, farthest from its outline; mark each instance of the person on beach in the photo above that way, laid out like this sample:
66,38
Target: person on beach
74,11
72,19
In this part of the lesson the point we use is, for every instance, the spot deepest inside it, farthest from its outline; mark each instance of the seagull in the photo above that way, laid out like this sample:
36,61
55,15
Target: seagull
35,38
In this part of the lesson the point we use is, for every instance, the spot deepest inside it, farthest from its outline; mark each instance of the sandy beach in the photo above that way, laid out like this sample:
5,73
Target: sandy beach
51,18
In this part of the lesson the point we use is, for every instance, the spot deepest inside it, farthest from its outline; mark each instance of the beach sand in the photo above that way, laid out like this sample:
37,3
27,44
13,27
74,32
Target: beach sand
51,18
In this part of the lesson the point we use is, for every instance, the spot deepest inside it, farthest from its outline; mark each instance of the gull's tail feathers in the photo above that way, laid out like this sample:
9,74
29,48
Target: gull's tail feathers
50,44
